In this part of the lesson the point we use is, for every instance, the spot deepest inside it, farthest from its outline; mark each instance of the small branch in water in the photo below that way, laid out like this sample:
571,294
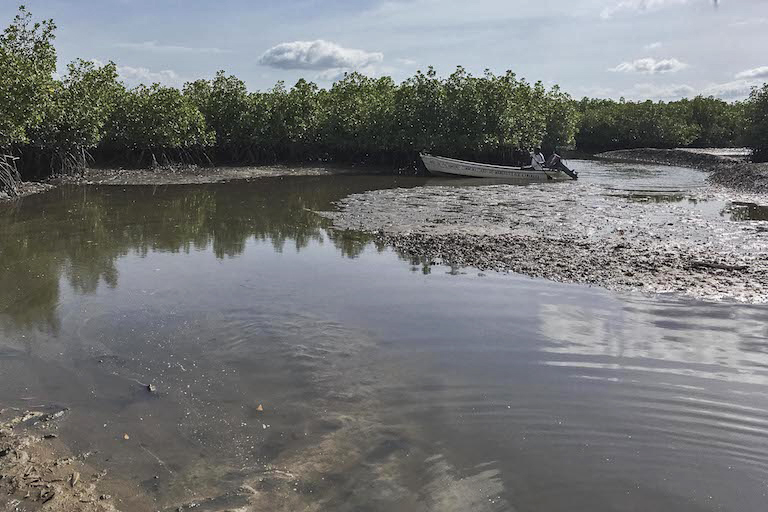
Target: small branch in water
158,459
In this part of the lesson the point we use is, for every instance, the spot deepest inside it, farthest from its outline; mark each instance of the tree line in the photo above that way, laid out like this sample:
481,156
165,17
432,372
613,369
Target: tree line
62,123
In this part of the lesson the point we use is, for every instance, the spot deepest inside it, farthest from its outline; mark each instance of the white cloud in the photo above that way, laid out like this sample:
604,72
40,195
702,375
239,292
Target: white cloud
332,75
135,76
637,6
653,46
738,89
650,66
318,55
761,72
729,91
406,62
153,46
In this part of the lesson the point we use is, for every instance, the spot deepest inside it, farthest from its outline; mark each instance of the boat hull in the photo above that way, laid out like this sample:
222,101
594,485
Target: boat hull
443,166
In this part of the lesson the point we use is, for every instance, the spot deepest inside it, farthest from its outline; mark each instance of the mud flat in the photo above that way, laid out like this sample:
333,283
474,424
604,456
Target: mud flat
27,188
36,473
190,175
572,232
732,171
182,175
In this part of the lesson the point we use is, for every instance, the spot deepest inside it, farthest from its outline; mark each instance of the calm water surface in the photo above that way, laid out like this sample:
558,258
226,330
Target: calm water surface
384,385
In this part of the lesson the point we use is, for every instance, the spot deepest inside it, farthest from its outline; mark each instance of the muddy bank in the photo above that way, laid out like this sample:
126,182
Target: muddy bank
183,175
27,188
571,233
37,472
190,175
728,171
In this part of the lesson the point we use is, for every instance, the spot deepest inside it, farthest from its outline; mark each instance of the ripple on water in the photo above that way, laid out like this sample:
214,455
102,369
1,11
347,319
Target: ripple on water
384,389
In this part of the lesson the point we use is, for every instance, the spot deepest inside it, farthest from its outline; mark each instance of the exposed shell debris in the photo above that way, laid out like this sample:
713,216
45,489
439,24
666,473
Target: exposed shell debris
34,475
574,232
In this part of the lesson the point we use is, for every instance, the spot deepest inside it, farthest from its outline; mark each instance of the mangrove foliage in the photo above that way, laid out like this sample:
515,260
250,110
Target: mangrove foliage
700,122
60,123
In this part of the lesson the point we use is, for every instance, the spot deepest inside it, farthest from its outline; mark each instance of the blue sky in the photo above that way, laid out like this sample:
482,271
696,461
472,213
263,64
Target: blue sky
660,49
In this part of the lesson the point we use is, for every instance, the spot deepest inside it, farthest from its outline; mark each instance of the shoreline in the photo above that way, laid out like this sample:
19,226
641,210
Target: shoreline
27,188
729,172
37,472
192,175
571,234
655,272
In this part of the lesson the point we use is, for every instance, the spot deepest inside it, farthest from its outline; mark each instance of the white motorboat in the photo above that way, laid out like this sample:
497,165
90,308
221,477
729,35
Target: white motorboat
440,165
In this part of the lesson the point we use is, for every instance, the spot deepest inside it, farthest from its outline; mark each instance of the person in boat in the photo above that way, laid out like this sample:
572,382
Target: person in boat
537,160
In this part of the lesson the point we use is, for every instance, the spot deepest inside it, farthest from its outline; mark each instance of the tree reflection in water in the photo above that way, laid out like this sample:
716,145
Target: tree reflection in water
79,233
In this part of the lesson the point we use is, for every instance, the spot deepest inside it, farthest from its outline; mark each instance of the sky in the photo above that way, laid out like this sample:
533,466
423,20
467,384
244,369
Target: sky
637,49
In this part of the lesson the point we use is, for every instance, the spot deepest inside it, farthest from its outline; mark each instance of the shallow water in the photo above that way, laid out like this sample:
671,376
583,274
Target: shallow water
384,386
